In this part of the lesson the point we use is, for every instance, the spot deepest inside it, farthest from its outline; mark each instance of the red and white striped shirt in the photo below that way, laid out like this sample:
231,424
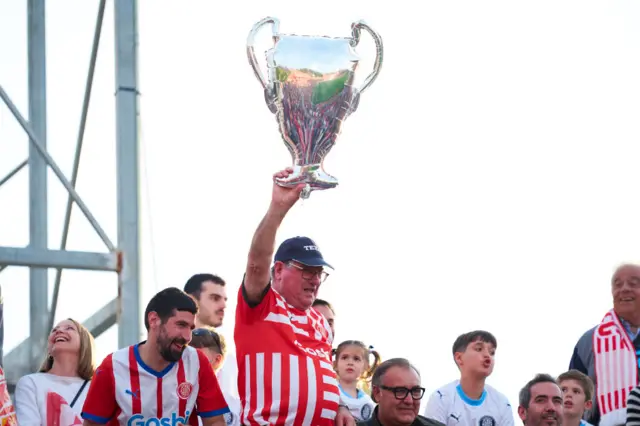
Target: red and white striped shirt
285,374
126,391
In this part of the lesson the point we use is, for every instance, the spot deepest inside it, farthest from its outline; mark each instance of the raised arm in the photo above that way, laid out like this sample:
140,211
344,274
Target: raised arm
257,276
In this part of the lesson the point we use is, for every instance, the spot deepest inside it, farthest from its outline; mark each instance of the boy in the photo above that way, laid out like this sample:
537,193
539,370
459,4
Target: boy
469,401
577,391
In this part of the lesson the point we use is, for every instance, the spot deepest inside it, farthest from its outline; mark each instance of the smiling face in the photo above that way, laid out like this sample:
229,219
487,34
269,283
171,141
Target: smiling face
625,289
64,338
174,335
297,283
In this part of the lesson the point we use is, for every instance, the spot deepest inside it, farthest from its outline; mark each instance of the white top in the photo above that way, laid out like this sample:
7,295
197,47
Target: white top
43,398
228,375
361,407
452,407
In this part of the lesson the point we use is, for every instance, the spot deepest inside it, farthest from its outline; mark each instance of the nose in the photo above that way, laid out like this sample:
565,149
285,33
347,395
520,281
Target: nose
224,304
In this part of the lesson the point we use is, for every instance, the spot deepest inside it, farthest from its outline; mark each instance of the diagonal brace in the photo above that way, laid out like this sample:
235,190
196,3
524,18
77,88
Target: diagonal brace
56,170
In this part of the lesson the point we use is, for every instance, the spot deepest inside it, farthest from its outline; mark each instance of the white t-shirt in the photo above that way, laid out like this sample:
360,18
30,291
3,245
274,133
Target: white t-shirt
361,408
449,405
228,375
43,398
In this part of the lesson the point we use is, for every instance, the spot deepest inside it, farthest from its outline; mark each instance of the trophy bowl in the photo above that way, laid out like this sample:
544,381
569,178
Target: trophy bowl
310,90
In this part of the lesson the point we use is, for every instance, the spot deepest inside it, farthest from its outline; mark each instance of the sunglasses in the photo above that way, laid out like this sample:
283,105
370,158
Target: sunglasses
206,338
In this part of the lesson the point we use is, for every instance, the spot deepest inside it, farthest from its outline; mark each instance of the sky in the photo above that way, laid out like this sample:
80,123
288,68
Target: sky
488,179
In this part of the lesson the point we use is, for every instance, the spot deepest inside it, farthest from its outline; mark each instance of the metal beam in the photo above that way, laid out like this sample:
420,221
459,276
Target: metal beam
126,33
78,152
35,142
38,206
16,362
43,258
13,172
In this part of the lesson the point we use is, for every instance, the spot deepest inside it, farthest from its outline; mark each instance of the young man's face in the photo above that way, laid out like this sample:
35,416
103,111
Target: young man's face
477,359
574,399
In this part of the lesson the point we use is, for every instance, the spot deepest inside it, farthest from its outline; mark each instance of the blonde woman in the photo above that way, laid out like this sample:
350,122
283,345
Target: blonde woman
55,395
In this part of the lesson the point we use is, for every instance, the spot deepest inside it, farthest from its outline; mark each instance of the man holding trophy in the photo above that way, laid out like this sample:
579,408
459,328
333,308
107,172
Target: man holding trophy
283,347
285,375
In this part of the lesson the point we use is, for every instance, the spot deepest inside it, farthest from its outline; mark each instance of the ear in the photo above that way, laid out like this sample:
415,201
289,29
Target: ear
522,413
375,394
588,405
154,320
457,357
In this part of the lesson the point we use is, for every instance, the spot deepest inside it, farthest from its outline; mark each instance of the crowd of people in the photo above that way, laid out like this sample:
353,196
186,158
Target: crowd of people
287,369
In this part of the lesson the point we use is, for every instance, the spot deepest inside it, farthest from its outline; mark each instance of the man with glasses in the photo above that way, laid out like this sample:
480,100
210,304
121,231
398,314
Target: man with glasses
397,391
283,346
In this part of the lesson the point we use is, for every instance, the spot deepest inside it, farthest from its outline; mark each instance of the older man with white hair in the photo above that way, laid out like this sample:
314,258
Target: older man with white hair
608,353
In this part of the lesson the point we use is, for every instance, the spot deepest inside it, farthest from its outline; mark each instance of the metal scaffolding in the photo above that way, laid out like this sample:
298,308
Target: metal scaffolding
123,258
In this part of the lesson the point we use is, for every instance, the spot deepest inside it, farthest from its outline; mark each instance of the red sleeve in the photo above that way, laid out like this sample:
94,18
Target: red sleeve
210,402
100,405
247,313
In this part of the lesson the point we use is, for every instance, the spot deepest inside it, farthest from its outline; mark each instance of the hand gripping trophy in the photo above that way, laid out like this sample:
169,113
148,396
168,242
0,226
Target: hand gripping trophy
310,90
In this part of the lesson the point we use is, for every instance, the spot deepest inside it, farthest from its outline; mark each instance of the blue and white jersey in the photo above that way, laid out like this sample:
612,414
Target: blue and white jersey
361,408
450,406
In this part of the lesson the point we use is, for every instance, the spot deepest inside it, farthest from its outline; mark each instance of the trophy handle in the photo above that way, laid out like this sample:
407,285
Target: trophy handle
355,31
275,24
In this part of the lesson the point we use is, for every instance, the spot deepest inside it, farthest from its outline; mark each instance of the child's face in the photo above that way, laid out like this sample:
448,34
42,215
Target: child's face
574,398
478,358
351,364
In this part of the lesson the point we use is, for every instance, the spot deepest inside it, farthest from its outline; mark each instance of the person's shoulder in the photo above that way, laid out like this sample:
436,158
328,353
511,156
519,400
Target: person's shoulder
588,335
446,390
496,395
422,420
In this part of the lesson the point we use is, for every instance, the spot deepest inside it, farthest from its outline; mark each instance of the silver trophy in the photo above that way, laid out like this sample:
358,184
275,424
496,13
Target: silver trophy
310,89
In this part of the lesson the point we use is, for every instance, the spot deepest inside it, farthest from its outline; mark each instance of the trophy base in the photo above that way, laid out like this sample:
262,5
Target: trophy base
311,174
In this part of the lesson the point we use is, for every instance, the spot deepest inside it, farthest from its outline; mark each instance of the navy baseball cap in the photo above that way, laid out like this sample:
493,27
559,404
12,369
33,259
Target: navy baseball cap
300,249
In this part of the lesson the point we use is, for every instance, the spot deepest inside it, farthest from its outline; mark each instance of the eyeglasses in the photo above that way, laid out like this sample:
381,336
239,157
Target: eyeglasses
308,274
402,392
207,339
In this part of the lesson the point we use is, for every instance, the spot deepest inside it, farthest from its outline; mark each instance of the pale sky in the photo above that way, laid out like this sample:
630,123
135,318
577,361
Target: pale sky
488,179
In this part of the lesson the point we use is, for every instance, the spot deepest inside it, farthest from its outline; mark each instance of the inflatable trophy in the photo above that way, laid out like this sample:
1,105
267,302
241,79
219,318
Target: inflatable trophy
310,89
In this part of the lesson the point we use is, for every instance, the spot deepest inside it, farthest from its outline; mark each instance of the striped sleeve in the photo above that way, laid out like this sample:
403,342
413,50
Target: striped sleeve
633,407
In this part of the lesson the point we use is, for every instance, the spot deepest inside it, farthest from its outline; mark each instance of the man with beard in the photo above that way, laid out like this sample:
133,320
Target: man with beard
607,352
541,402
160,380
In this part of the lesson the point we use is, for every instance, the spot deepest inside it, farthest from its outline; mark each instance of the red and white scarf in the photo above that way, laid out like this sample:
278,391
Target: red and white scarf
616,369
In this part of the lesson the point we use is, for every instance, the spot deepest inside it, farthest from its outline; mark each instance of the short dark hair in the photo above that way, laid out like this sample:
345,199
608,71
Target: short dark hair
322,302
525,392
585,382
464,340
166,302
193,286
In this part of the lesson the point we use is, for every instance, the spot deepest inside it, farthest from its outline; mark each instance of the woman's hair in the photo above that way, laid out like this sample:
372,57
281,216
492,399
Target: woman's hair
368,352
86,359
207,337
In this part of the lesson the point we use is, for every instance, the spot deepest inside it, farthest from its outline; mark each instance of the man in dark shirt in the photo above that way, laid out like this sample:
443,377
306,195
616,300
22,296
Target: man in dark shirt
397,391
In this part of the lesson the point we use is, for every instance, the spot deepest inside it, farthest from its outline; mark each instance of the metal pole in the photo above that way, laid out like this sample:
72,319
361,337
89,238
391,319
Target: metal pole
38,278
76,158
126,34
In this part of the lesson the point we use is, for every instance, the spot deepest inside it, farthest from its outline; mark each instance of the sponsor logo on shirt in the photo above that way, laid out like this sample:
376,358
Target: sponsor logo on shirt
174,420
487,421
321,353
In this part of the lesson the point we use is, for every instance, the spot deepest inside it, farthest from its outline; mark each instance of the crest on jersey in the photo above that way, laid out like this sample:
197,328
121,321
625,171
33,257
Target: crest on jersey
487,421
185,388
366,411
228,417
